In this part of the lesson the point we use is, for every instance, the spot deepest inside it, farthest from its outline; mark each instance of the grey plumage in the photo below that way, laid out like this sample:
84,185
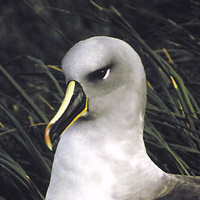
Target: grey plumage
186,188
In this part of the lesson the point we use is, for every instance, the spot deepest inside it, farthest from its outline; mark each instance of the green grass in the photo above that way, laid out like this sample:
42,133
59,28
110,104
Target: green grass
34,38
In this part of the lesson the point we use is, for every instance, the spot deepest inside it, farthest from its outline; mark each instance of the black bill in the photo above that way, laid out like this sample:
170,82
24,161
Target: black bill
73,106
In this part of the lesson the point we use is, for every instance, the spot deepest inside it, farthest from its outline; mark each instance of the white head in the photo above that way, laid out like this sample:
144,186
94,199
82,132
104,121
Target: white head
112,76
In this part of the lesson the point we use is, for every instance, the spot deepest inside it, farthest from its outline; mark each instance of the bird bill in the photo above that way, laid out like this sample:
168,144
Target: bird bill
73,106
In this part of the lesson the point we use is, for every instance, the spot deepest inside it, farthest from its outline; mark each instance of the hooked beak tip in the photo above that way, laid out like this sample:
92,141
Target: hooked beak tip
47,137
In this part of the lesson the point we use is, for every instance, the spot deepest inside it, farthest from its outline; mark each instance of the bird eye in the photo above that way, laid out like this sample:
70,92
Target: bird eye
105,73
100,74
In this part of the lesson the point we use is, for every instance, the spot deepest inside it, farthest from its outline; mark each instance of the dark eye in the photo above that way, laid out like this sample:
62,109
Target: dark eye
100,74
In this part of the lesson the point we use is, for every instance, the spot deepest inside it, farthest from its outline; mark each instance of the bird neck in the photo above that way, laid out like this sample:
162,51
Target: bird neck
110,154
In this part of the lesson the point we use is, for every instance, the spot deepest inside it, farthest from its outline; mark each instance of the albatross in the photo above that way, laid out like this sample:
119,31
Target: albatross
101,154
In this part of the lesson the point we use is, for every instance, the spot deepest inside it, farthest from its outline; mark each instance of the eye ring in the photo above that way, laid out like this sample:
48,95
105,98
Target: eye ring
107,73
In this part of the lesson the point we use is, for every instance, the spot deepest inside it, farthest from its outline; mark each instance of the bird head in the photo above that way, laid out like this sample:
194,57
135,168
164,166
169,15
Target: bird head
105,80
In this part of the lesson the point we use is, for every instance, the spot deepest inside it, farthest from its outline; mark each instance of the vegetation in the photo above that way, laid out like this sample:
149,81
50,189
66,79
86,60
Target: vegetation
35,35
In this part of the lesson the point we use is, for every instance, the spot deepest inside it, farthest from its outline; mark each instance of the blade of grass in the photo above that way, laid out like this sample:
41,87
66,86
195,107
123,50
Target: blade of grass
48,72
30,147
149,128
14,169
24,94
154,97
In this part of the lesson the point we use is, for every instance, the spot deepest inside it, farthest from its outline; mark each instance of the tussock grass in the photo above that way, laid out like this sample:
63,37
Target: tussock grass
38,36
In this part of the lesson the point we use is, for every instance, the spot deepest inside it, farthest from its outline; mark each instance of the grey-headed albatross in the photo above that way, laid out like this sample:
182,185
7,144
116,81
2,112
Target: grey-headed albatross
102,155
